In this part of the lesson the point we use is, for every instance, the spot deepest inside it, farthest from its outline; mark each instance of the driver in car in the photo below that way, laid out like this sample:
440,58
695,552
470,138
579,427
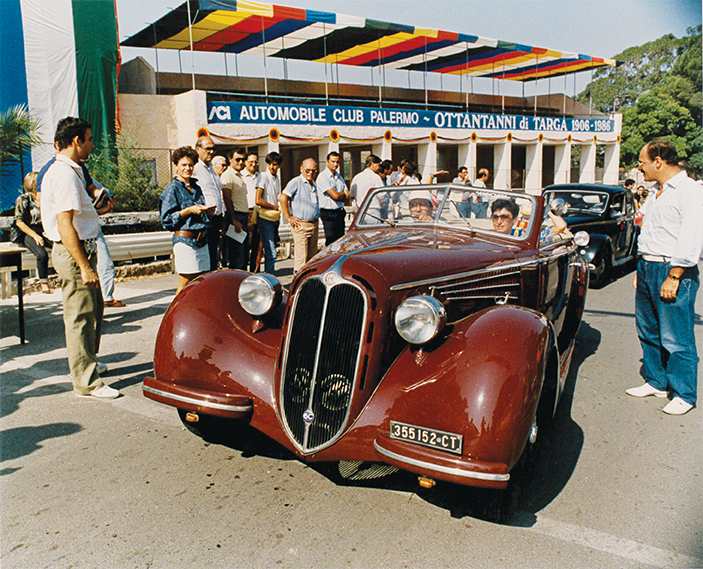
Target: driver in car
420,206
504,215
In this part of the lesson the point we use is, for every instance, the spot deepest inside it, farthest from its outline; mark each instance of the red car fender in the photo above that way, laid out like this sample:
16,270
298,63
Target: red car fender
206,347
483,382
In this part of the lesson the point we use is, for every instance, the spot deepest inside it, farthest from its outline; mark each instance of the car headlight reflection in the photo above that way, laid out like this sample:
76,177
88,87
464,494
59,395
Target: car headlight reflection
420,318
259,294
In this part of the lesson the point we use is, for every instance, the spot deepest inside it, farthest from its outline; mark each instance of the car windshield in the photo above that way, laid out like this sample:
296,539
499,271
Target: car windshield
577,201
473,209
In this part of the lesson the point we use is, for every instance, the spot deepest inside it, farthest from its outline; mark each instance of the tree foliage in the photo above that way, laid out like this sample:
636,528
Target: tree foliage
658,91
19,133
122,170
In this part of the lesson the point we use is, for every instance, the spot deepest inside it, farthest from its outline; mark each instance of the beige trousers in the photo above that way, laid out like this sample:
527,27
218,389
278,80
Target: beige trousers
82,318
304,242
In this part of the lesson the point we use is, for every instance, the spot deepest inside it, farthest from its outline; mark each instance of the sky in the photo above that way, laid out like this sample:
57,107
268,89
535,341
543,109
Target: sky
601,28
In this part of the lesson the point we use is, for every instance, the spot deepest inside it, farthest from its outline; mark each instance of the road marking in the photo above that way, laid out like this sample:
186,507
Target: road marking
608,543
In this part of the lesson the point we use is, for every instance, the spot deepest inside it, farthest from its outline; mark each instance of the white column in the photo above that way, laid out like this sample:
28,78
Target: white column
324,149
502,160
587,166
562,163
467,157
382,150
533,165
427,160
262,150
611,170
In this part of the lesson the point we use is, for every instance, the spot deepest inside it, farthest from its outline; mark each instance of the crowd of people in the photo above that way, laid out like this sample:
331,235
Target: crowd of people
224,212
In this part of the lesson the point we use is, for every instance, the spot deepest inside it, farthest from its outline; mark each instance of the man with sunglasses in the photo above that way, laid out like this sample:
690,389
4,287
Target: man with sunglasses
234,194
504,215
300,204
210,184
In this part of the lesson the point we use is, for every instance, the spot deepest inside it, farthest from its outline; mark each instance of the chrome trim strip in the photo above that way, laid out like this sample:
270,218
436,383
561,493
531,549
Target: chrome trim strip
443,469
199,402
446,278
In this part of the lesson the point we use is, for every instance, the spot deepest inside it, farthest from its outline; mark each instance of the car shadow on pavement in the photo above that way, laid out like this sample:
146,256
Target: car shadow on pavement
546,472
22,441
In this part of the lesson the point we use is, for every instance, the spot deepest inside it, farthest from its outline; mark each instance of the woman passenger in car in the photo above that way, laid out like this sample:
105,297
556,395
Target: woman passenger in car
183,211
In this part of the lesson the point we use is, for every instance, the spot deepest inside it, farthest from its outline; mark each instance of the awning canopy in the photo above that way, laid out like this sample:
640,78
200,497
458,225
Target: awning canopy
261,29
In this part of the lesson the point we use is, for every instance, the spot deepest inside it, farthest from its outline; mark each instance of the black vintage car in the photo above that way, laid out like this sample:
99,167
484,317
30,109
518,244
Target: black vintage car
607,213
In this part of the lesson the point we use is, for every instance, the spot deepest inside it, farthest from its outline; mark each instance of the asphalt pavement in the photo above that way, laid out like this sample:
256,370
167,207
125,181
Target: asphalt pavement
121,484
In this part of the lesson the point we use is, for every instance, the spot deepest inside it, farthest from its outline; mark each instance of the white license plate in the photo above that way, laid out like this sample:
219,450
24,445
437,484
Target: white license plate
451,442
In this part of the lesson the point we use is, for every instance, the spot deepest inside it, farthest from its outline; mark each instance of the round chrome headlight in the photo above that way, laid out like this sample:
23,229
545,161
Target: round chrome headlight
420,318
582,238
259,294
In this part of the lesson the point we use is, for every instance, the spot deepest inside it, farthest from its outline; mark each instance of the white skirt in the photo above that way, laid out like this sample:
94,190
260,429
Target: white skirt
191,260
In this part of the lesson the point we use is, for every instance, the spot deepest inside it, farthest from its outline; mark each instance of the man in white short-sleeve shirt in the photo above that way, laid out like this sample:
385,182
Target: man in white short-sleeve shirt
71,222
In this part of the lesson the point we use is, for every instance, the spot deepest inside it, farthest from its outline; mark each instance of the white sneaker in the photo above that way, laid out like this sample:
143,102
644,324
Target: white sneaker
677,406
645,390
104,392
102,368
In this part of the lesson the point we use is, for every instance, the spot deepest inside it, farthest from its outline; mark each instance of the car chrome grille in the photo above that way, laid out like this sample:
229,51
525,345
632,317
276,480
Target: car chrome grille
322,356
501,284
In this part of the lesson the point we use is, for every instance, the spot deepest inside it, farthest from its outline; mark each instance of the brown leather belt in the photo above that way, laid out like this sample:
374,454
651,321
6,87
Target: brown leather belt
197,235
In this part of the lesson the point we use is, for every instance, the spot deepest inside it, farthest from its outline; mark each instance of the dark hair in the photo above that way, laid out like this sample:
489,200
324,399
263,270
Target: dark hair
664,150
463,169
409,168
274,157
686,167
386,165
239,150
333,153
372,159
68,129
629,182
183,152
252,154
510,205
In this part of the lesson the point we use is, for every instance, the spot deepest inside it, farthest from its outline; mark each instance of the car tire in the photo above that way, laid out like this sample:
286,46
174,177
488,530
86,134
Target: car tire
500,505
605,268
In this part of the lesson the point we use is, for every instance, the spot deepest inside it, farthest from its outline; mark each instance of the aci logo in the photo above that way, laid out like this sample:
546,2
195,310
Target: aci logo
308,416
221,112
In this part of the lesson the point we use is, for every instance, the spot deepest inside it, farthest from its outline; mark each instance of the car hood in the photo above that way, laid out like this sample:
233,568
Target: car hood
405,255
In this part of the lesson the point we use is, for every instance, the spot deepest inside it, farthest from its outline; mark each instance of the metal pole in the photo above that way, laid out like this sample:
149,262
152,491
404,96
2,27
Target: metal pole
192,57
263,46
424,75
324,43
471,78
536,79
590,93
380,74
156,54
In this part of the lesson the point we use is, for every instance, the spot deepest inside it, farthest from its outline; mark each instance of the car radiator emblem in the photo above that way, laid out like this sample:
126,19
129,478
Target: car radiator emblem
308,416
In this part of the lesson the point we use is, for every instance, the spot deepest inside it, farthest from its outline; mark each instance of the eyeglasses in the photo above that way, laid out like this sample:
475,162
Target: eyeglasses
502,217
238,159
312,170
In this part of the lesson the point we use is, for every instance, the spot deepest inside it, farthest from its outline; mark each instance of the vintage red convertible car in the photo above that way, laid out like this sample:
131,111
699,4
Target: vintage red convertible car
425,339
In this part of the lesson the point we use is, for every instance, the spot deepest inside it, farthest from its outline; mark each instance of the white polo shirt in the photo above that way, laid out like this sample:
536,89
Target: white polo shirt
63,189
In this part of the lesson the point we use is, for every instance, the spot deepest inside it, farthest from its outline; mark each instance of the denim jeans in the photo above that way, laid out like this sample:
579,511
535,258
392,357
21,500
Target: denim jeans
106,268
41,254
665,330
267,232
238,253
